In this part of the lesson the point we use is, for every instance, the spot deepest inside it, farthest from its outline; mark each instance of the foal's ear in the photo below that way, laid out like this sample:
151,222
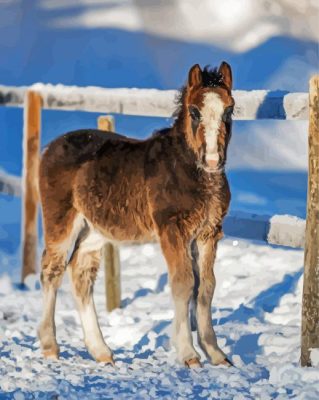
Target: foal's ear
225,70
195,76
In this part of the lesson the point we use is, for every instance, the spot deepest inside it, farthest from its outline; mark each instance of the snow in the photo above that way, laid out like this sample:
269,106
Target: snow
287,230
314,356
256,312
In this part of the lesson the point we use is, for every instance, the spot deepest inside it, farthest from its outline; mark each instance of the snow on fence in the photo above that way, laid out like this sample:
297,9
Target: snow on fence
257,104
10,184
250,105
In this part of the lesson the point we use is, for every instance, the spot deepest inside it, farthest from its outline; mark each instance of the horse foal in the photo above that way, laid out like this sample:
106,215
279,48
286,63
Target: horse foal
97,187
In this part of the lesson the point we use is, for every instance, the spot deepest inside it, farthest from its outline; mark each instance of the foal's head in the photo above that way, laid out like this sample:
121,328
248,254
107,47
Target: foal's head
206,114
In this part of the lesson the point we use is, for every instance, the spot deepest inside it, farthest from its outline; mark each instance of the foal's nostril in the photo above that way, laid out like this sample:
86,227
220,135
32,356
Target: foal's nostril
212,160
212,163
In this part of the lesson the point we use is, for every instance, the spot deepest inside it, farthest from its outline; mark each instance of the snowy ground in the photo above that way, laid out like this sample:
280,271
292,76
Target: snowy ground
256,313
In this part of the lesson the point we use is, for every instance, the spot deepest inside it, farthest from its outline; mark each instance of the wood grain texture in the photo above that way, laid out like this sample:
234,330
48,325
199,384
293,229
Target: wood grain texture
111,255
310,301
32,128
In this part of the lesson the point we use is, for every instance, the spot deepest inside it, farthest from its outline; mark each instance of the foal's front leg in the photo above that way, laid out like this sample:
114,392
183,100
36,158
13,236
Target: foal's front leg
176,252
207,246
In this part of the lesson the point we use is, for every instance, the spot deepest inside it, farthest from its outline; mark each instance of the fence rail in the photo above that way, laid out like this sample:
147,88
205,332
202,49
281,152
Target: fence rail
250,105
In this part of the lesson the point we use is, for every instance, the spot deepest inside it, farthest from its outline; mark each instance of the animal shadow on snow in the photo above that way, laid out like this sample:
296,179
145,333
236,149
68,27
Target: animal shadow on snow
266,301
142,292
161,340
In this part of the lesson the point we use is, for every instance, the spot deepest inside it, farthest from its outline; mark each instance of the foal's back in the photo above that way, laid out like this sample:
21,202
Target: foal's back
99,177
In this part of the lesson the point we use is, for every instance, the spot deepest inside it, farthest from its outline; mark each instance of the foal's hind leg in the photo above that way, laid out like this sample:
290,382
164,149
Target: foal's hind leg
59,230
53,266
83,269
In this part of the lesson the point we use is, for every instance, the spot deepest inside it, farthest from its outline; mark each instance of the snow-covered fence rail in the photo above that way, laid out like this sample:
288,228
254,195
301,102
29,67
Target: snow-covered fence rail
250,105
10,184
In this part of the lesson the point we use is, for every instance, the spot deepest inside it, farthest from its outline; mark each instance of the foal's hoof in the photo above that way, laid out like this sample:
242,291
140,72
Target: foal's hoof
52,354
226,362
106,359
193,363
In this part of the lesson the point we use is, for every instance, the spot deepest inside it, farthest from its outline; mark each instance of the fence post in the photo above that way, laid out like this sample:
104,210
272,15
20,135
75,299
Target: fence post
310,300
31,147
112,268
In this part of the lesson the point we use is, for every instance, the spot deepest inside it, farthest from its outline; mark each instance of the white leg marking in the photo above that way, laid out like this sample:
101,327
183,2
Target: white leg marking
92,332
93,337
47,327
183,340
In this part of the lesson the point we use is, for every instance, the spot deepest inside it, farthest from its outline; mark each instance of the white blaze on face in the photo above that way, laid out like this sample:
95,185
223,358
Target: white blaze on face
211,116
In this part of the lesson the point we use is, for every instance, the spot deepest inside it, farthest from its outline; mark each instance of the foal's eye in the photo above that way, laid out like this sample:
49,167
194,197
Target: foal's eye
194,113
227,114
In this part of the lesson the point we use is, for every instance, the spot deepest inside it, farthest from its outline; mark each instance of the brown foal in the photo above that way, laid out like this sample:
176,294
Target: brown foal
97,187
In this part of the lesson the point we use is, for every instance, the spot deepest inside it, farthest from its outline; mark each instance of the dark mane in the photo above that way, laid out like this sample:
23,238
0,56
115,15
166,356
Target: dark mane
211,78
179,99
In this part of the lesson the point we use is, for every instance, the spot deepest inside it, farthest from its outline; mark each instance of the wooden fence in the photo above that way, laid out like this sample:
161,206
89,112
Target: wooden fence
250,105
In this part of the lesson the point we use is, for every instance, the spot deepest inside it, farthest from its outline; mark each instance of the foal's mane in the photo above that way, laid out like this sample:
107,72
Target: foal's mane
211,78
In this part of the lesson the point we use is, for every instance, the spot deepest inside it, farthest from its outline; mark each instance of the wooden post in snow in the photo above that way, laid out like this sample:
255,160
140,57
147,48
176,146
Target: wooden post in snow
310,300
112,267
31,147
